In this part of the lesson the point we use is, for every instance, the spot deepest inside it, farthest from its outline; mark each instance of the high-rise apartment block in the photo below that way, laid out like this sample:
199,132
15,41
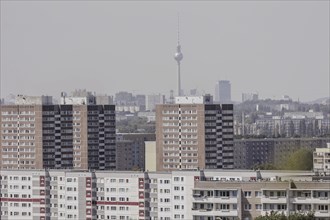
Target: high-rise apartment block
37,136
223,92
193,133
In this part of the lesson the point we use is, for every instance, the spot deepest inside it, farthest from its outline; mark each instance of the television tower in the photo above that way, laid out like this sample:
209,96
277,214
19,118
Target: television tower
178,56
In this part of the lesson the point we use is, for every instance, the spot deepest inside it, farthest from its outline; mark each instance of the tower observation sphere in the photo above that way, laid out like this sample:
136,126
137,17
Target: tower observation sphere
178,56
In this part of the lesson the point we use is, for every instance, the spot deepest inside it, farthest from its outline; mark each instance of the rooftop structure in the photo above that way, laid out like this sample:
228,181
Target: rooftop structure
33,100
207,99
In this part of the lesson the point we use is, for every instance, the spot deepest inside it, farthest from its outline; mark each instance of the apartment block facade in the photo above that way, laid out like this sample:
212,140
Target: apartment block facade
321,160
194,134
189,195
251,152
130,150
57,136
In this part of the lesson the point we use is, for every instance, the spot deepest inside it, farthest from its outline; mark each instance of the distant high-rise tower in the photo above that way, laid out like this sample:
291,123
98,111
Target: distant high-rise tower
223,91
178,56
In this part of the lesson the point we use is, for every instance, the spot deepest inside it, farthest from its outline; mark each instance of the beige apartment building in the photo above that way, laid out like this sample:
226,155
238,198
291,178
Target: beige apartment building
21,137
43,135
193,134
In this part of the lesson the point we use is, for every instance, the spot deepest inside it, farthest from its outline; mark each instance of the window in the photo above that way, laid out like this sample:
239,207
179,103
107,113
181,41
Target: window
258,193
281,207
258,206
281,194
247,206
224,206
323,207
247,194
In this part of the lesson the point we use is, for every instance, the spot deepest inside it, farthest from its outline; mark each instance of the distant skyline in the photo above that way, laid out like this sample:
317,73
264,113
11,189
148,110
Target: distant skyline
274,48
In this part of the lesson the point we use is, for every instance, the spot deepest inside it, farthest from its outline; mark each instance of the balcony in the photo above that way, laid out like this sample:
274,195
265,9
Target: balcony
213,212
273,199
211,199
301,200
320,200
322,213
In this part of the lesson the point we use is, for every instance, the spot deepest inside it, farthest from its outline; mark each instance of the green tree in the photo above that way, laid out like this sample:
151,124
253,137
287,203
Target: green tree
301,159
280,216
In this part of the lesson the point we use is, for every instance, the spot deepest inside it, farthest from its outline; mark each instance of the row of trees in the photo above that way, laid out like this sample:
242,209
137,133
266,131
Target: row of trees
281,216
301,159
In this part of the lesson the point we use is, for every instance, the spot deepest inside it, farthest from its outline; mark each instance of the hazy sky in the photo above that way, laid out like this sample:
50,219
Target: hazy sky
272,47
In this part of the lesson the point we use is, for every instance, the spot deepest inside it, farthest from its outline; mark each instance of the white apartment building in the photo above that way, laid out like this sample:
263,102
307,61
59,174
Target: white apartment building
321,160
189,195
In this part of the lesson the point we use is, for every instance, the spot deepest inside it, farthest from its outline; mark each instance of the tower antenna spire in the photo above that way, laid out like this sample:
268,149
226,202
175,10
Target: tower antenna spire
178,56
178,28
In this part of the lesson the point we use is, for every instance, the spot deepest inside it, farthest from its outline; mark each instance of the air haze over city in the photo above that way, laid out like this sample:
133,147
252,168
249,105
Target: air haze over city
272,48
140,110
